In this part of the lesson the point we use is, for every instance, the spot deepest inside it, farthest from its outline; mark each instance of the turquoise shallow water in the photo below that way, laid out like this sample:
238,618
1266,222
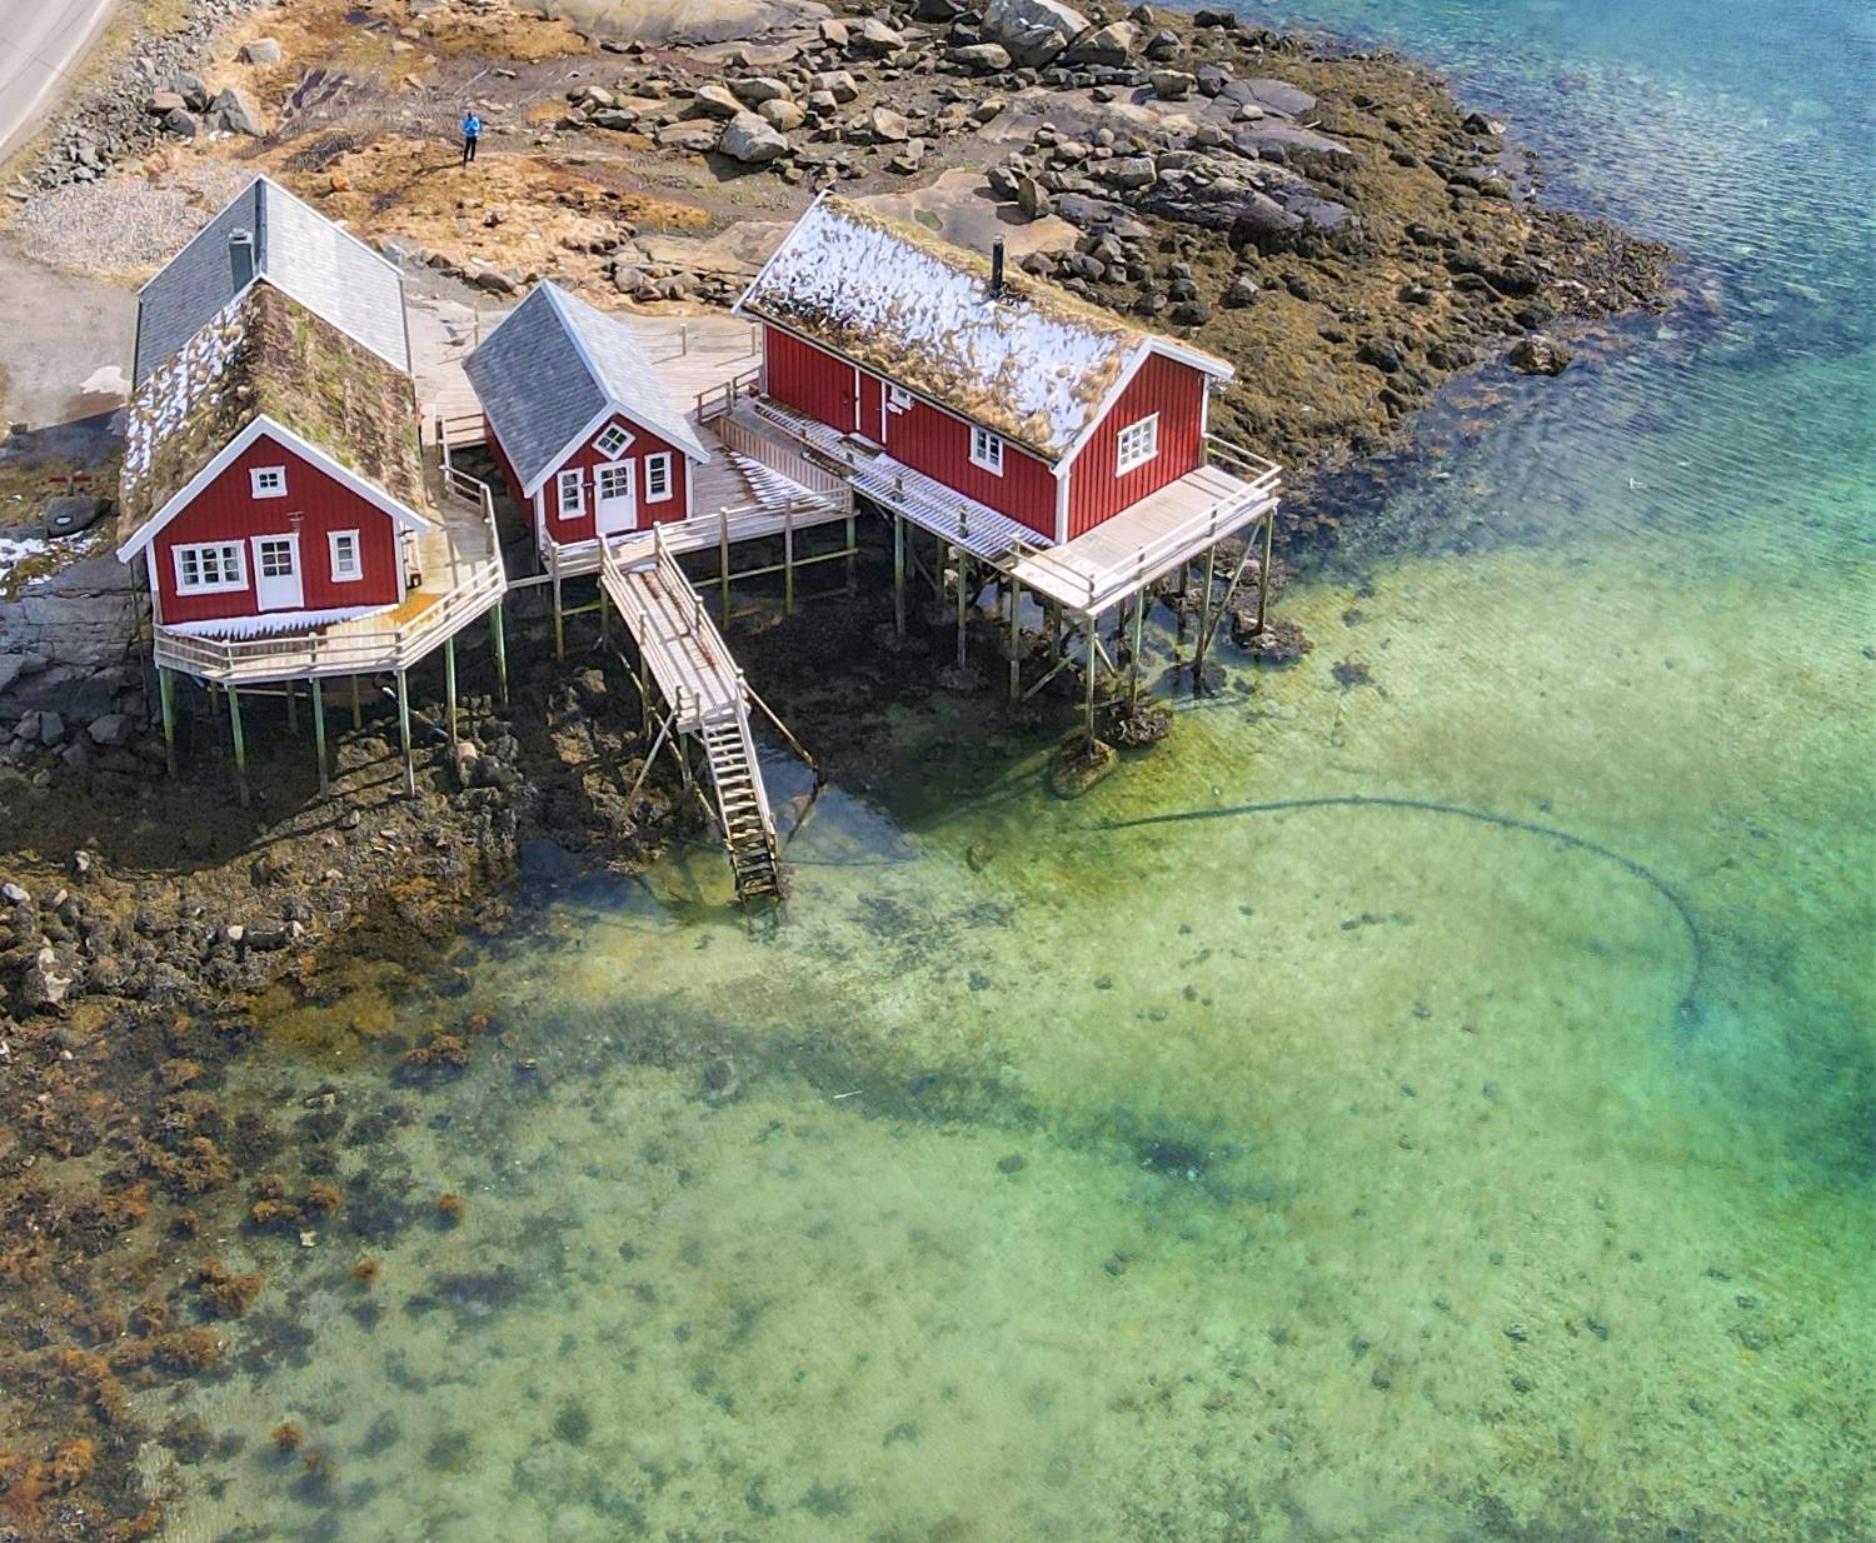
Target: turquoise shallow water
1171,1165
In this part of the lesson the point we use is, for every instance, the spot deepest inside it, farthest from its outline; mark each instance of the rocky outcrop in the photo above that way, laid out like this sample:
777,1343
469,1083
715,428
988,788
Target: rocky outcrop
1034,31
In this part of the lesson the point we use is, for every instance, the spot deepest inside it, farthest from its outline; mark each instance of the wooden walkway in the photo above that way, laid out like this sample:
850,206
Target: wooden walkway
704,696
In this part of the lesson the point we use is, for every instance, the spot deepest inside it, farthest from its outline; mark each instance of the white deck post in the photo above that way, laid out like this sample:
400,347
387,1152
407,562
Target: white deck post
1263,576
240,742
449,686
964,562
319,735
1093,624
166,692
1133,664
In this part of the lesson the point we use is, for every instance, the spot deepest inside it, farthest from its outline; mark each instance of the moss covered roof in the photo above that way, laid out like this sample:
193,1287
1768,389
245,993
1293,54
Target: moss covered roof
1033,362
266,355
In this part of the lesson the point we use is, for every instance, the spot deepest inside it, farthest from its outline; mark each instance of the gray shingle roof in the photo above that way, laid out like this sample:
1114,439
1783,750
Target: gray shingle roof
298,251
552,366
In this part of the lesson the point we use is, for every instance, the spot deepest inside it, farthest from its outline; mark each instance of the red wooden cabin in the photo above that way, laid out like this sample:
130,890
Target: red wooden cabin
1011,392
271,471
587,439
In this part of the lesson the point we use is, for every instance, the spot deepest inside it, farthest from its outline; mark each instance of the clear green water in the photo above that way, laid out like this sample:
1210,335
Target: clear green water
1377,1178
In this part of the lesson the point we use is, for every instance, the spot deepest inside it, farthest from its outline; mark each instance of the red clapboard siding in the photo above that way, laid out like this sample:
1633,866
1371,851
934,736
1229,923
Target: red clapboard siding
806,378
226,510
1177,393
586,457
507,468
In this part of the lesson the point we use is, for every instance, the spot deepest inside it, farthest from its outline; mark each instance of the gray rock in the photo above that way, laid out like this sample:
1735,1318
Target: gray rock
1034,31
262,51
839,84
1108,46
1132,171
888,127
754,90
178,123
752,140
193,91
161,103
1277,96
112,731
621,120
231,113
714,101
980,58
1540,354
494,281
875,37
51,728
784,115
45,982
692,134
1172,85
1032,198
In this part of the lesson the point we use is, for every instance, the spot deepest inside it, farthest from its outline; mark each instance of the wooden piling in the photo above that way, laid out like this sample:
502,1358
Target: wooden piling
403,733
293,708
166,694
853,548
788,558
1093,627
1133,663
1205,615
240,743
319,734
723,563
358,706
498,638
1263,576
560,621
449,687
964,562
898,574
1016,640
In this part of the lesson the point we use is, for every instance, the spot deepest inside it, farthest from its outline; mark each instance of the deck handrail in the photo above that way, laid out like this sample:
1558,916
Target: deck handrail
715,401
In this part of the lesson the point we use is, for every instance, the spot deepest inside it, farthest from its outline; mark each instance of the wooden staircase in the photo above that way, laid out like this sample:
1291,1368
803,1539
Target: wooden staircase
704,694
743,809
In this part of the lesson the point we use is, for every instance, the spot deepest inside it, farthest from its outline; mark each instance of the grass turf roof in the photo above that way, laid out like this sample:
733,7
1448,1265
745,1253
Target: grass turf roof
1035,364
266,355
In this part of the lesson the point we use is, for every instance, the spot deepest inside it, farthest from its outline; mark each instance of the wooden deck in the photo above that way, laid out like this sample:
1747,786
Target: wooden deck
462,579
1121,555
695,672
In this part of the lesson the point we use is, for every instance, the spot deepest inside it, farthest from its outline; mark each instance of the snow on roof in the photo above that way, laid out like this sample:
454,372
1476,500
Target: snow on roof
329,271
1034,363
266,355
552,367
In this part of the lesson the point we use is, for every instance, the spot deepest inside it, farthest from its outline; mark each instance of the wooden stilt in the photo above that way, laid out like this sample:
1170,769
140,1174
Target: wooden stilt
1133,663
403,733
1093,627
293,708
358,706
898,574
166,693
645,770
449,687
1016,641
560,621
1205,613
1263,577
240,743
499,638
788,559
964,563
723,562
605,626
319,734
853,547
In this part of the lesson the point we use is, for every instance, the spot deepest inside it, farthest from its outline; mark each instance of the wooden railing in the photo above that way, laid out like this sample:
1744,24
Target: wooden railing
785,460
718,400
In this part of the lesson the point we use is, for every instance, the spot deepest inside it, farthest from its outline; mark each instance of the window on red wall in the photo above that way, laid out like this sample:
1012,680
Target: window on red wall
210,568
658,477
347,563
572,495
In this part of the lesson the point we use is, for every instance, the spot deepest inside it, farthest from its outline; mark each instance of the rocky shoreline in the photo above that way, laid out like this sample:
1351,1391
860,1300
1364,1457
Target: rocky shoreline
1333,221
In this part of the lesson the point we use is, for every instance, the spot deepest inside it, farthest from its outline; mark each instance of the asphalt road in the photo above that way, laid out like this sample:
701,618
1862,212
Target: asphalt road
40,41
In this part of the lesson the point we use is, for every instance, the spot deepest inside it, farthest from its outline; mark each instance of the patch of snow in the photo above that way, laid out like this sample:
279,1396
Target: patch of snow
1043,370
15,550
232,627
176,389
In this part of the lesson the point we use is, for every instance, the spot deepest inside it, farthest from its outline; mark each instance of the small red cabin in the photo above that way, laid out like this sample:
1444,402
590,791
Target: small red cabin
585,436
271,473
1008,391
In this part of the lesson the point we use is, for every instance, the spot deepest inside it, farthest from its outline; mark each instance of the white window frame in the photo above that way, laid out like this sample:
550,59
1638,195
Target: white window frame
658,468
1125,459
612,441
334,538
573,482
987,450
618,472
898,399
225,563
267,481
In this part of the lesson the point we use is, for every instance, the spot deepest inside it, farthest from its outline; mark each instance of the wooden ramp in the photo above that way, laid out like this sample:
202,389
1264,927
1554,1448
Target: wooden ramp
704,695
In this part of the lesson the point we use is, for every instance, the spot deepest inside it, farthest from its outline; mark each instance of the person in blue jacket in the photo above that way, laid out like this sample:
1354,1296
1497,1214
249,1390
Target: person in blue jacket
471,135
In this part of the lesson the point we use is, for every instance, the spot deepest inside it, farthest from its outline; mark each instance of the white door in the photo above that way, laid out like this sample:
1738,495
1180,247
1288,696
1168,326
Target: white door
615,501
277,585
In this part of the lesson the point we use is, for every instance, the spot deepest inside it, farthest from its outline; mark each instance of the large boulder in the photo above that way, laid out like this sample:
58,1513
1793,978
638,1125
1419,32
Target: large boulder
752,140
888,127
231,113
1538,354
1109,45
261,51
979,58
714,101
1034,31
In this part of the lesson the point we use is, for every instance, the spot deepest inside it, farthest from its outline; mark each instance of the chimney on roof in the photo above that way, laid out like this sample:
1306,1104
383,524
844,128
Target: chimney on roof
241,258
996,269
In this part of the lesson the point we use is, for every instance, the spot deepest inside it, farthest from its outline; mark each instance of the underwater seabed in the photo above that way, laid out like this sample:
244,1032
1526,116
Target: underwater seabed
1064,1170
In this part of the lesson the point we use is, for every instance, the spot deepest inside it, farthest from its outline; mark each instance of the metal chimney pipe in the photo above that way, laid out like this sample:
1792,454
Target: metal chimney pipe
241,258
996,269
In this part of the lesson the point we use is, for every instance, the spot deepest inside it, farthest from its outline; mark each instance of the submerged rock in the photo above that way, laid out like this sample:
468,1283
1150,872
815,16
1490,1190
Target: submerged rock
1079,764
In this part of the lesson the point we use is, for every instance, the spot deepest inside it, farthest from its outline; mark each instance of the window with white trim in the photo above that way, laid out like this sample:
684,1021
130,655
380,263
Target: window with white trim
276,556
898,399
658,477
572,495
612,441
268,481
986,450
211,567
613,482
1138,443
348,563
